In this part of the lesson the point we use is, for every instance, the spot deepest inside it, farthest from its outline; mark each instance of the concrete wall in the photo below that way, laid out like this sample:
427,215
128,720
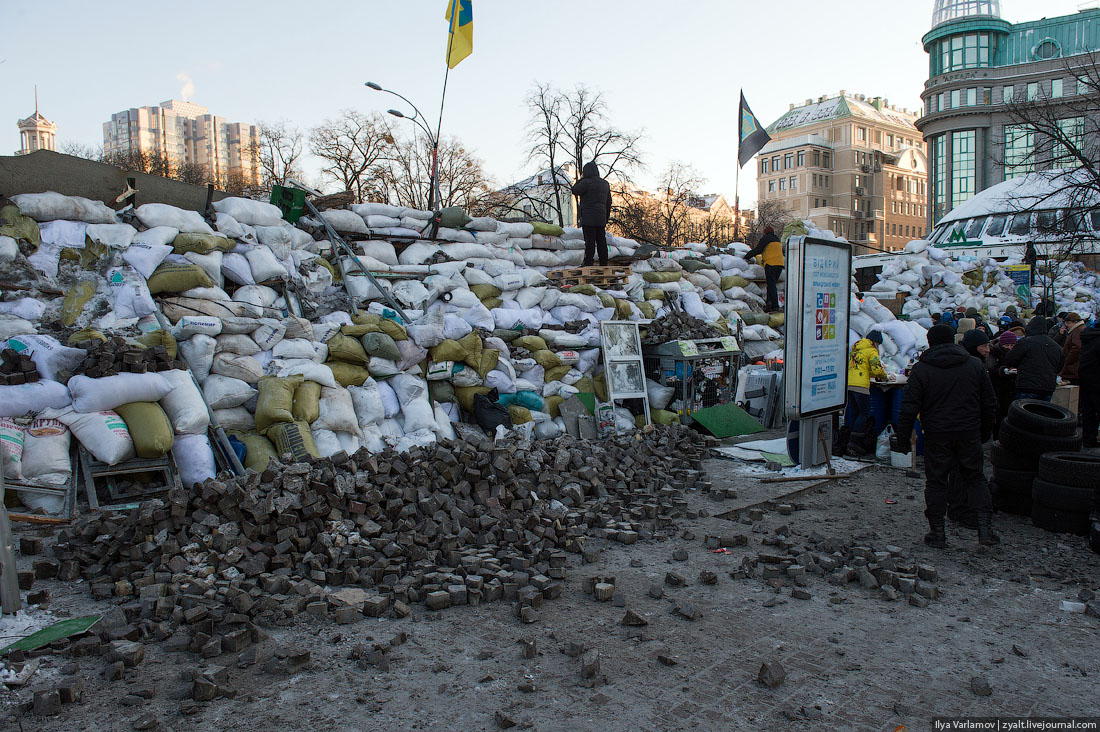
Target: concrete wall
50,171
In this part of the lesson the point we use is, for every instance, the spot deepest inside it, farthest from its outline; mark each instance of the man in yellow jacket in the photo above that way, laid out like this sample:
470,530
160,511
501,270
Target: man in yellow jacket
863,365
770,251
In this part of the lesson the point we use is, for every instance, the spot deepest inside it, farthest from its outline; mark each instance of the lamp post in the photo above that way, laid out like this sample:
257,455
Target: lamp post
420,121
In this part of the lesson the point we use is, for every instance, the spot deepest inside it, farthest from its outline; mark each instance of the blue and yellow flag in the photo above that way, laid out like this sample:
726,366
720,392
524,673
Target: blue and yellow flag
460,35
751,136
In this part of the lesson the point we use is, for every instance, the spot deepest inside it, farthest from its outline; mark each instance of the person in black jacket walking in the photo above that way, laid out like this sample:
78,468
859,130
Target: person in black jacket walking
595,209
1037,360
1089,375
953,396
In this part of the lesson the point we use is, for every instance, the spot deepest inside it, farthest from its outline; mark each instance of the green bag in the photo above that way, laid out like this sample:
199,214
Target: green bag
258,450
380,345
349,350
201,243
173,277
275,402
453,217
149,427
18,226
294,438
538,227
307,402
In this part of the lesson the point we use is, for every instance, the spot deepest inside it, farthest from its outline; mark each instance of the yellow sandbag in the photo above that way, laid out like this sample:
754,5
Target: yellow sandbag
92,252
471,343
74,301
159,337
662,276
201,243
347,349
307,402
606,300
584,385
484,292
519,415
775,320
584,289
378,324
599,388
663,416
648,311
441,391
492,302
258,450
18,226
85,335
175,277
552,405
531,342
557,373
547,359
293,438
733,281
447,350
465,395
275,402
623,311
149,427
488,361
652,293
348,374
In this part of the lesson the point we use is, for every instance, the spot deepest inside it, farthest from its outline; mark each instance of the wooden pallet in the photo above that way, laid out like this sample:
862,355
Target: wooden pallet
609,276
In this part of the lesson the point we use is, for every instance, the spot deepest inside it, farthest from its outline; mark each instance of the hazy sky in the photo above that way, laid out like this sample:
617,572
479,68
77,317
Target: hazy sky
671,70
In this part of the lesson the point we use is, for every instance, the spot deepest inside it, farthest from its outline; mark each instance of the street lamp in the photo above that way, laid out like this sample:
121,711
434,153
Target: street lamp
420,121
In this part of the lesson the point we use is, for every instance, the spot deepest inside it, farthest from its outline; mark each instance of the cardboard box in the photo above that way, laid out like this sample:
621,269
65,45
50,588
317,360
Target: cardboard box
1067,395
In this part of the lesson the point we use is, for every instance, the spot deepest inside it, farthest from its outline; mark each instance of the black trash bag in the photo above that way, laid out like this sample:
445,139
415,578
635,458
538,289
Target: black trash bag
488,414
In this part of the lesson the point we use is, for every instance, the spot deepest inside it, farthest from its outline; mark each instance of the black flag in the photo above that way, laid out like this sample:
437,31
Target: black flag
751,135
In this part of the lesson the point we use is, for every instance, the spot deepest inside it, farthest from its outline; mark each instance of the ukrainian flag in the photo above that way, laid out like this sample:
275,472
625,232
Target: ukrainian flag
460,36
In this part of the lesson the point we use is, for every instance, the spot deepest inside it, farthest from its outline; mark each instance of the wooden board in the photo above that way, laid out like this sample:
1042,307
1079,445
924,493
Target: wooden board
608,276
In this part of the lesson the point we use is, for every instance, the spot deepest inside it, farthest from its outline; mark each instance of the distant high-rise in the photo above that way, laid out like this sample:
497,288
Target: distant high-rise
36,132
185,134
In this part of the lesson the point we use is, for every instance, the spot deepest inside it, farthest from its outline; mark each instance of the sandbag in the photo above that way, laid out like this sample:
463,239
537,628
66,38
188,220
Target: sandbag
307,402
48,354
275,400
349,350
245,368
488,414
198,352
194,459
162,214
50,206
11,445
98,395
337,412
265,265
104,434
46,456
293,438
347,374
223,392
258,451
417,411
149,428
200,243
178,277
250,212
367,400
184,404
380,345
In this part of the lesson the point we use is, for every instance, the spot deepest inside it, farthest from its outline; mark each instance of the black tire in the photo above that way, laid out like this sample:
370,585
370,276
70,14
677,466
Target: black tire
1001,457
1080,469
1094,535
1060,522
1035,415
1014,503
1033,444
1013,481
1070,499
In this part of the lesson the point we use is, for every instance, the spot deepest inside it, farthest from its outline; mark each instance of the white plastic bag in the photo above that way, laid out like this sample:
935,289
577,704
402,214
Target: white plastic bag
198,352
46,459
11,443
194,459
162,214
103,434
367,401
412,393
337,411
223,392
17,401
184,405
99,395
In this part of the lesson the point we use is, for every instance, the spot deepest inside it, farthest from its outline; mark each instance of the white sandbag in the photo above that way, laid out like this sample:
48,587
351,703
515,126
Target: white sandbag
383,251
560,339
11,447
418,438
46,457
299,348
198,352
381,222
104,434
531,318
443,428
245,368
345,221
411,354
659,396
248,211
239,344
99,395
50,206
326,441
224,392
265,265
207,293
191,325
381,368
416,409
48,354
210,263
410,293
308,370
497,379
268,335
457,236
367,401
337,411
25,307
418,252
162,214
116,236
521,229
236,269
229,227
235,418
194,459
297,327
9,250
380,209
390,403
184,405
427,332
260,296
129,295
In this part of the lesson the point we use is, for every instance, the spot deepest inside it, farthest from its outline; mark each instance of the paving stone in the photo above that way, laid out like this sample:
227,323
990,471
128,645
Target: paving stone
800,594
771,674
707,577
656,591
30,545
47,703
590,664
603,591
114,670
673,579
71,690
503,720
680,555
145,722
634,619
666,660
688,611
918,601
528,649
1020,651
131,653
980,686
889,593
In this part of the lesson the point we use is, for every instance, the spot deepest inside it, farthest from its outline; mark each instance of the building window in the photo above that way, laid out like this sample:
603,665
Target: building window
826,181
939,176
1082,85
771,186
1033,91
1019,147
775,163
764,165
943,101
956,98
972,97
794,183
801,158
963,166
782,184
1006,94
861,134
827,162
817,158
1071,133
788,161
1055,88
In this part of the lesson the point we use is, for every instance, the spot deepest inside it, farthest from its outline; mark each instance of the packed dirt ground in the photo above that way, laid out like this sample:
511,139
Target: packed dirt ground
984,635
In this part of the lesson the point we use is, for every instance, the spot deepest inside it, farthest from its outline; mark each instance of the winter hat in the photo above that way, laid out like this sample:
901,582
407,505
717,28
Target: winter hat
974,338
1073,318
1036,326
769,230
875,337
948,318
1008,338
972,313
1010,310
1004,321
939,335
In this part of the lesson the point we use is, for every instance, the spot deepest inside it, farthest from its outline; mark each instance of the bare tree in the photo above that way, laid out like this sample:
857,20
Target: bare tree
545,137
354,147
768,213
680,184
405,179
280,149
86,152
635,216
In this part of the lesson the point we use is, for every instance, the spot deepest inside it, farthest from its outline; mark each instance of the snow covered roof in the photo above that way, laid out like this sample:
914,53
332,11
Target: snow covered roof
800,141
837,108
1048,189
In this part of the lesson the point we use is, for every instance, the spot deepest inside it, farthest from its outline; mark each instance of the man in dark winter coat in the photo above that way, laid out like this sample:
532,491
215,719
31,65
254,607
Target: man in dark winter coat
954,398
1037,360
595,209
1089,375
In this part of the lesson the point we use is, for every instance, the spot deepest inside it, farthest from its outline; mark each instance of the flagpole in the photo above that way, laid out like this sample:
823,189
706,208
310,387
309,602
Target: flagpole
737,199
442,100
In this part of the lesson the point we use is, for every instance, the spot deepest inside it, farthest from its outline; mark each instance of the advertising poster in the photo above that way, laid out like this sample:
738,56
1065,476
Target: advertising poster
1020,274
825,299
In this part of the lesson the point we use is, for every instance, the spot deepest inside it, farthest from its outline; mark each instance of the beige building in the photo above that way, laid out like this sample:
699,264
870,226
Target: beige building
850,164
36,133
184,133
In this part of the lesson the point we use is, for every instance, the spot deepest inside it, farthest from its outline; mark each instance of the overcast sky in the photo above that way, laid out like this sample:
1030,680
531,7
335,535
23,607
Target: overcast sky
671,70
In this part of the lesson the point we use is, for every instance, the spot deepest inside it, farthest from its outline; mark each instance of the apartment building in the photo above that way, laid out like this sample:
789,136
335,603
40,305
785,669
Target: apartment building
184,133
851,164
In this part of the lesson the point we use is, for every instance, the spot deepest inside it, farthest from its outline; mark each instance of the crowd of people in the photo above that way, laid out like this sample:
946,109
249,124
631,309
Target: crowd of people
960,390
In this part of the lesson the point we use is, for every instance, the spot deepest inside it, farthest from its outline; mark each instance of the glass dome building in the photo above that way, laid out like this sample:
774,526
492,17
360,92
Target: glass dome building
948,10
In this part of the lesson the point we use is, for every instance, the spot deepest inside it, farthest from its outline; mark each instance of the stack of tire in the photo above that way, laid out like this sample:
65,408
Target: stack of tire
1031,428
1064,494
